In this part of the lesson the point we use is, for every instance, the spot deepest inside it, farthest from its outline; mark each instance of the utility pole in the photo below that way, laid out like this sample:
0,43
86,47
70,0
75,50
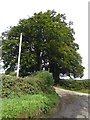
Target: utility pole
19,55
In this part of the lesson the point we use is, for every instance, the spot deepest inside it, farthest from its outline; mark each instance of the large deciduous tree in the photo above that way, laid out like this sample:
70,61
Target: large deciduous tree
48,43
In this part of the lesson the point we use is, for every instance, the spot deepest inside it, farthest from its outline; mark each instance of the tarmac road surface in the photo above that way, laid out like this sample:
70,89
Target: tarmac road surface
72,104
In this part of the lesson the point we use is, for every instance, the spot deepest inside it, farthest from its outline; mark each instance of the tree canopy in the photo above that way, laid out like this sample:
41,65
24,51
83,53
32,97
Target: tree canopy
48,43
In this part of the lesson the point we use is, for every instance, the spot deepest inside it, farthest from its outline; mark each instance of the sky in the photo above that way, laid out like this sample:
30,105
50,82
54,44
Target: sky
11,11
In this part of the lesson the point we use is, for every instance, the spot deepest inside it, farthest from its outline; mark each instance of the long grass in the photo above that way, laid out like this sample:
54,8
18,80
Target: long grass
28,106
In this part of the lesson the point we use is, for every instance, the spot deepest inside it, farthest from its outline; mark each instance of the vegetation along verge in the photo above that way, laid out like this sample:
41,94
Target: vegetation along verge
76,85
28,97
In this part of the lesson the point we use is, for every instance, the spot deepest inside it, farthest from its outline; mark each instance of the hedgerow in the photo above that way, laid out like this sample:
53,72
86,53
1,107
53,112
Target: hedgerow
36,83
28,97
76,85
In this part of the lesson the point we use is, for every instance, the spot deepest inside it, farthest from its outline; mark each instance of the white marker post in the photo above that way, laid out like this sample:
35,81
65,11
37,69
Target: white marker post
19,55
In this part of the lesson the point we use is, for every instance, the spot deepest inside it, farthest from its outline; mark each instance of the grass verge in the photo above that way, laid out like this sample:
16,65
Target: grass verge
28,106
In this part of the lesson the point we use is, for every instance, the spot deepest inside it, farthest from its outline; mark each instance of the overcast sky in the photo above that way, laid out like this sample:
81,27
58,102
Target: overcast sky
76,10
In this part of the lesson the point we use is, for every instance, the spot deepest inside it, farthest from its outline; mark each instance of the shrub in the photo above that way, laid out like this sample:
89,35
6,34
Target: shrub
75,84
36,83
7,85
45,80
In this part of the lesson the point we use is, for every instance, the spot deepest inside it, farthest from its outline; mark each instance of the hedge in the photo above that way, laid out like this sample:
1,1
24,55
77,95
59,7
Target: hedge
75,84
36,83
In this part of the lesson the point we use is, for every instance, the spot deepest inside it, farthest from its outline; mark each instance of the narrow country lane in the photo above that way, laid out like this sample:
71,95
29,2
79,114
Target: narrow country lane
72,104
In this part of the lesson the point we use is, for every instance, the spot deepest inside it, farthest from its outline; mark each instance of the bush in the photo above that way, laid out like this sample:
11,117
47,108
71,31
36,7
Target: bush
45,80
75,84
36,83
7,85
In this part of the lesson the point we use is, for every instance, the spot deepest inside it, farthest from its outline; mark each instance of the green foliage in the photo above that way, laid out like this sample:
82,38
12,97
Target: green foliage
36,83
28,97
48,42
76,85
45,77
7,85
12,73
28,106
